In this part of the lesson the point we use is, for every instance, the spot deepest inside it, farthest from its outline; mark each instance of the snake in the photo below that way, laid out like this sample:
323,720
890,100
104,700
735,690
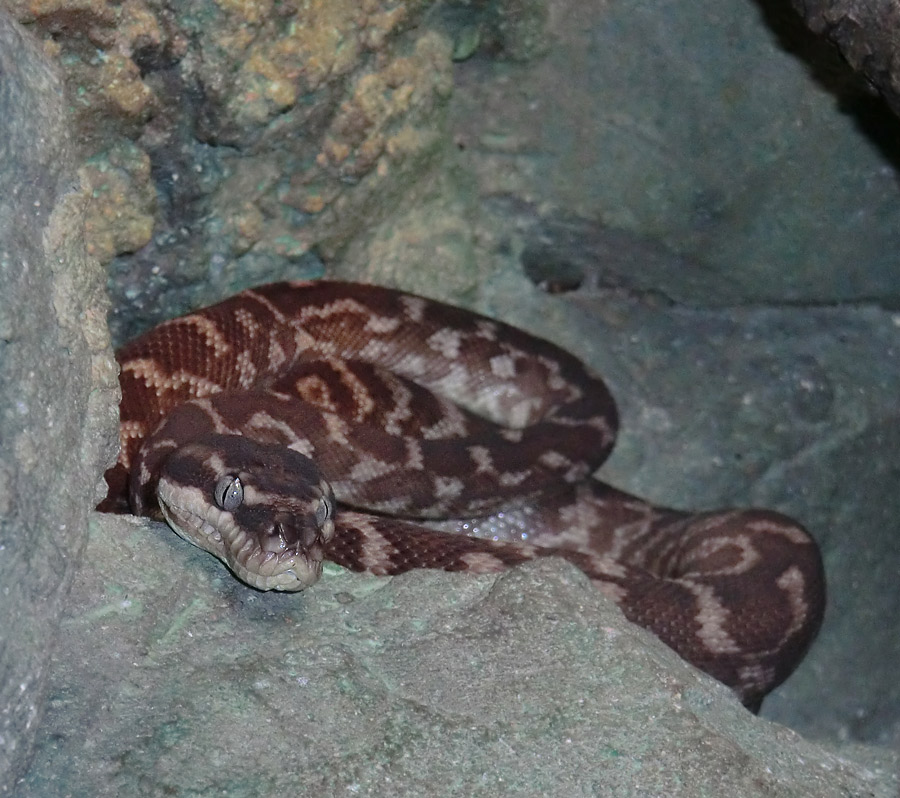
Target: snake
299,422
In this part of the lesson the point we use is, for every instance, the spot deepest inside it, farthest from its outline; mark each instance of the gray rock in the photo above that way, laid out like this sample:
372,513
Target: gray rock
56,394
173,679
725,133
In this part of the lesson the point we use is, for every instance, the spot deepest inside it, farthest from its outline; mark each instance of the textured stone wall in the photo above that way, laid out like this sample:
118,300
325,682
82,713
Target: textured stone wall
56,389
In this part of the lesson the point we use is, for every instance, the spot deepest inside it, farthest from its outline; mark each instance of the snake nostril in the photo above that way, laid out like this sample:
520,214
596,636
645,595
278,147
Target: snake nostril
285,533
308,536
275,540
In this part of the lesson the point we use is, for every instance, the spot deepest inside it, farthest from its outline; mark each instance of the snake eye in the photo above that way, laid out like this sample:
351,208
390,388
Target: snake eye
323,511
229,493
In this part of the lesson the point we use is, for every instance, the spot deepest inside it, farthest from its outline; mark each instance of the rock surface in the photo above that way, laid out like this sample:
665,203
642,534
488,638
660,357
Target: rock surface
724,133
173,679
202,182
57,395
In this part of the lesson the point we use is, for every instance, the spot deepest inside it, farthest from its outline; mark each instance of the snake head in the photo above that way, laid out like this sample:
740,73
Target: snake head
264,510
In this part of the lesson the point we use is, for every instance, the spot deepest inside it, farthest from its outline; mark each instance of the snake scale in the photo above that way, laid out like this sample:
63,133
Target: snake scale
440,439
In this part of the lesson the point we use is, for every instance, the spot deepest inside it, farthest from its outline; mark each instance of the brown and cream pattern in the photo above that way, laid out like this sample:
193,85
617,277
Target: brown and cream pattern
298,422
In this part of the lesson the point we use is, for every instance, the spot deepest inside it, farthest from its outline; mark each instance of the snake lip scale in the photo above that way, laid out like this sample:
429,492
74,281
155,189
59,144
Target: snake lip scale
298,422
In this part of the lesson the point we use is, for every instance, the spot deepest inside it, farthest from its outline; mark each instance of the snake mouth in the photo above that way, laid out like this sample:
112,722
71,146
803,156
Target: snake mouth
215,531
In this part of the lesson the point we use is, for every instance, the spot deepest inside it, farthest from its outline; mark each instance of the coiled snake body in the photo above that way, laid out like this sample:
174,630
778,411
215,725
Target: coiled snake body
422,415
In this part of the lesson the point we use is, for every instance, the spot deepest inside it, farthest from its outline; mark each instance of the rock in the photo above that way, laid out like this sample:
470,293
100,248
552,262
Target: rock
57,394
204,184
172,678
